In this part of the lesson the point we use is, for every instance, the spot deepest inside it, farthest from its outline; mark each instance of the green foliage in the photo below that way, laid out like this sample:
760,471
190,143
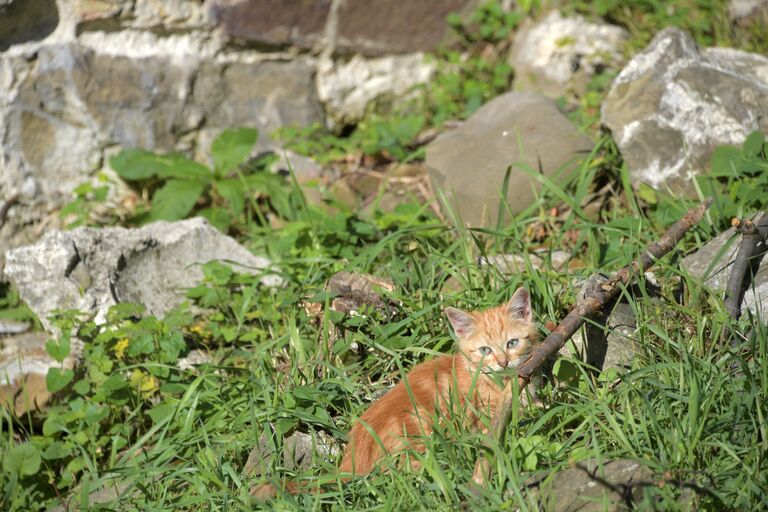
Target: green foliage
13,308
739,177
23,459
87,198
284,362
708,21
466,78
225,194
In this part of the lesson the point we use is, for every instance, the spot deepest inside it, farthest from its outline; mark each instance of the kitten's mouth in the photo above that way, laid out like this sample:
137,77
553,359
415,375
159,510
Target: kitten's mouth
511,367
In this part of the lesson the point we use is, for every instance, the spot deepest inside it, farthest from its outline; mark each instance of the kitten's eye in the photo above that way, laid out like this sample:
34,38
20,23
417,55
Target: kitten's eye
513,343
485,350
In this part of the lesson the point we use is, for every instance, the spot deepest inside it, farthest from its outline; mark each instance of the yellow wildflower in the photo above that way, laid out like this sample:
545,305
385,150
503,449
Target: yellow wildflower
120,348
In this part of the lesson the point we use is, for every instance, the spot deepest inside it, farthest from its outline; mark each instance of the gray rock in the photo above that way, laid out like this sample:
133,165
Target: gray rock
22,21
372,28
265,94
522,130
557,56
91,269
24,363
509,264
144,14
672,105
299,23
712,265
347,88
592,486
297,453
745,12
378,27
356,292
13,326
605,341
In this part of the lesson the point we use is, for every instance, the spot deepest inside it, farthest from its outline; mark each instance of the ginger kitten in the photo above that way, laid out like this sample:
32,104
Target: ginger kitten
489,341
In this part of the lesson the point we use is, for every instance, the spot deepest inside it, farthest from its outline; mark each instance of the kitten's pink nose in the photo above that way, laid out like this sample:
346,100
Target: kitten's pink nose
504,363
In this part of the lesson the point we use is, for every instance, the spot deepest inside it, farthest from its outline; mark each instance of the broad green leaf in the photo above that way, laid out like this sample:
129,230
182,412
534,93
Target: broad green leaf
175,199
647,193
220,218
232,147
124,310
233,190
53,425
23,459
161,411
142,344
58,378
726,161
137,164
57,450
113,383
171,346
58,350
753,143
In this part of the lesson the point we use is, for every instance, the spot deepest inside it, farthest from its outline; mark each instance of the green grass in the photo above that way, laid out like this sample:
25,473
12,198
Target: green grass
690,407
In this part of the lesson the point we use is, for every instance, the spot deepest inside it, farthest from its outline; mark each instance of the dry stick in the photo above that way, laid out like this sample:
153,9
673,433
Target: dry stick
752,233
594,300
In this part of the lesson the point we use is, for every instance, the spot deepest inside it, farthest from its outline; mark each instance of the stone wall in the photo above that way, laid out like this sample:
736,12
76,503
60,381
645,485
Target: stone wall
81,79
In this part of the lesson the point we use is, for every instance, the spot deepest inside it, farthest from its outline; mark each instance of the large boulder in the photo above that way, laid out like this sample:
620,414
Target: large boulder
521,130
558,55
91,269
673,104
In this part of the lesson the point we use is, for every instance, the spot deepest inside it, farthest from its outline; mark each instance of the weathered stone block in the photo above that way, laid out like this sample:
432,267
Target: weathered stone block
522,130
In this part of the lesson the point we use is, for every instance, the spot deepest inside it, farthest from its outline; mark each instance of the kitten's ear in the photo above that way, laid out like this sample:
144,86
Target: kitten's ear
519,306
463,323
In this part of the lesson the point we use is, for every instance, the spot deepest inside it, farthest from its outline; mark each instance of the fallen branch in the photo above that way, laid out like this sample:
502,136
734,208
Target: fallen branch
752,233
593,301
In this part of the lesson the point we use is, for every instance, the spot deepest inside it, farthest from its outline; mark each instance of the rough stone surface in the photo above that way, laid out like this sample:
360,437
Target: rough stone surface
592,486
145,14
299,23
522,130
91,269
673,104
605,343
558,55
376,27
355,293
713,262
22,21
65,104
517,263
297,452
746,12
371,28
347,88
24,364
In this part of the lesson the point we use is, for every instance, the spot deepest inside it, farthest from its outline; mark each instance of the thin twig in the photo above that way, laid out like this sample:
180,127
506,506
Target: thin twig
752,233
593,301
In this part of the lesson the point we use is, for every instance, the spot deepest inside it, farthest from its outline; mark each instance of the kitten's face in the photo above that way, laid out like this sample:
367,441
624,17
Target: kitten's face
496,339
